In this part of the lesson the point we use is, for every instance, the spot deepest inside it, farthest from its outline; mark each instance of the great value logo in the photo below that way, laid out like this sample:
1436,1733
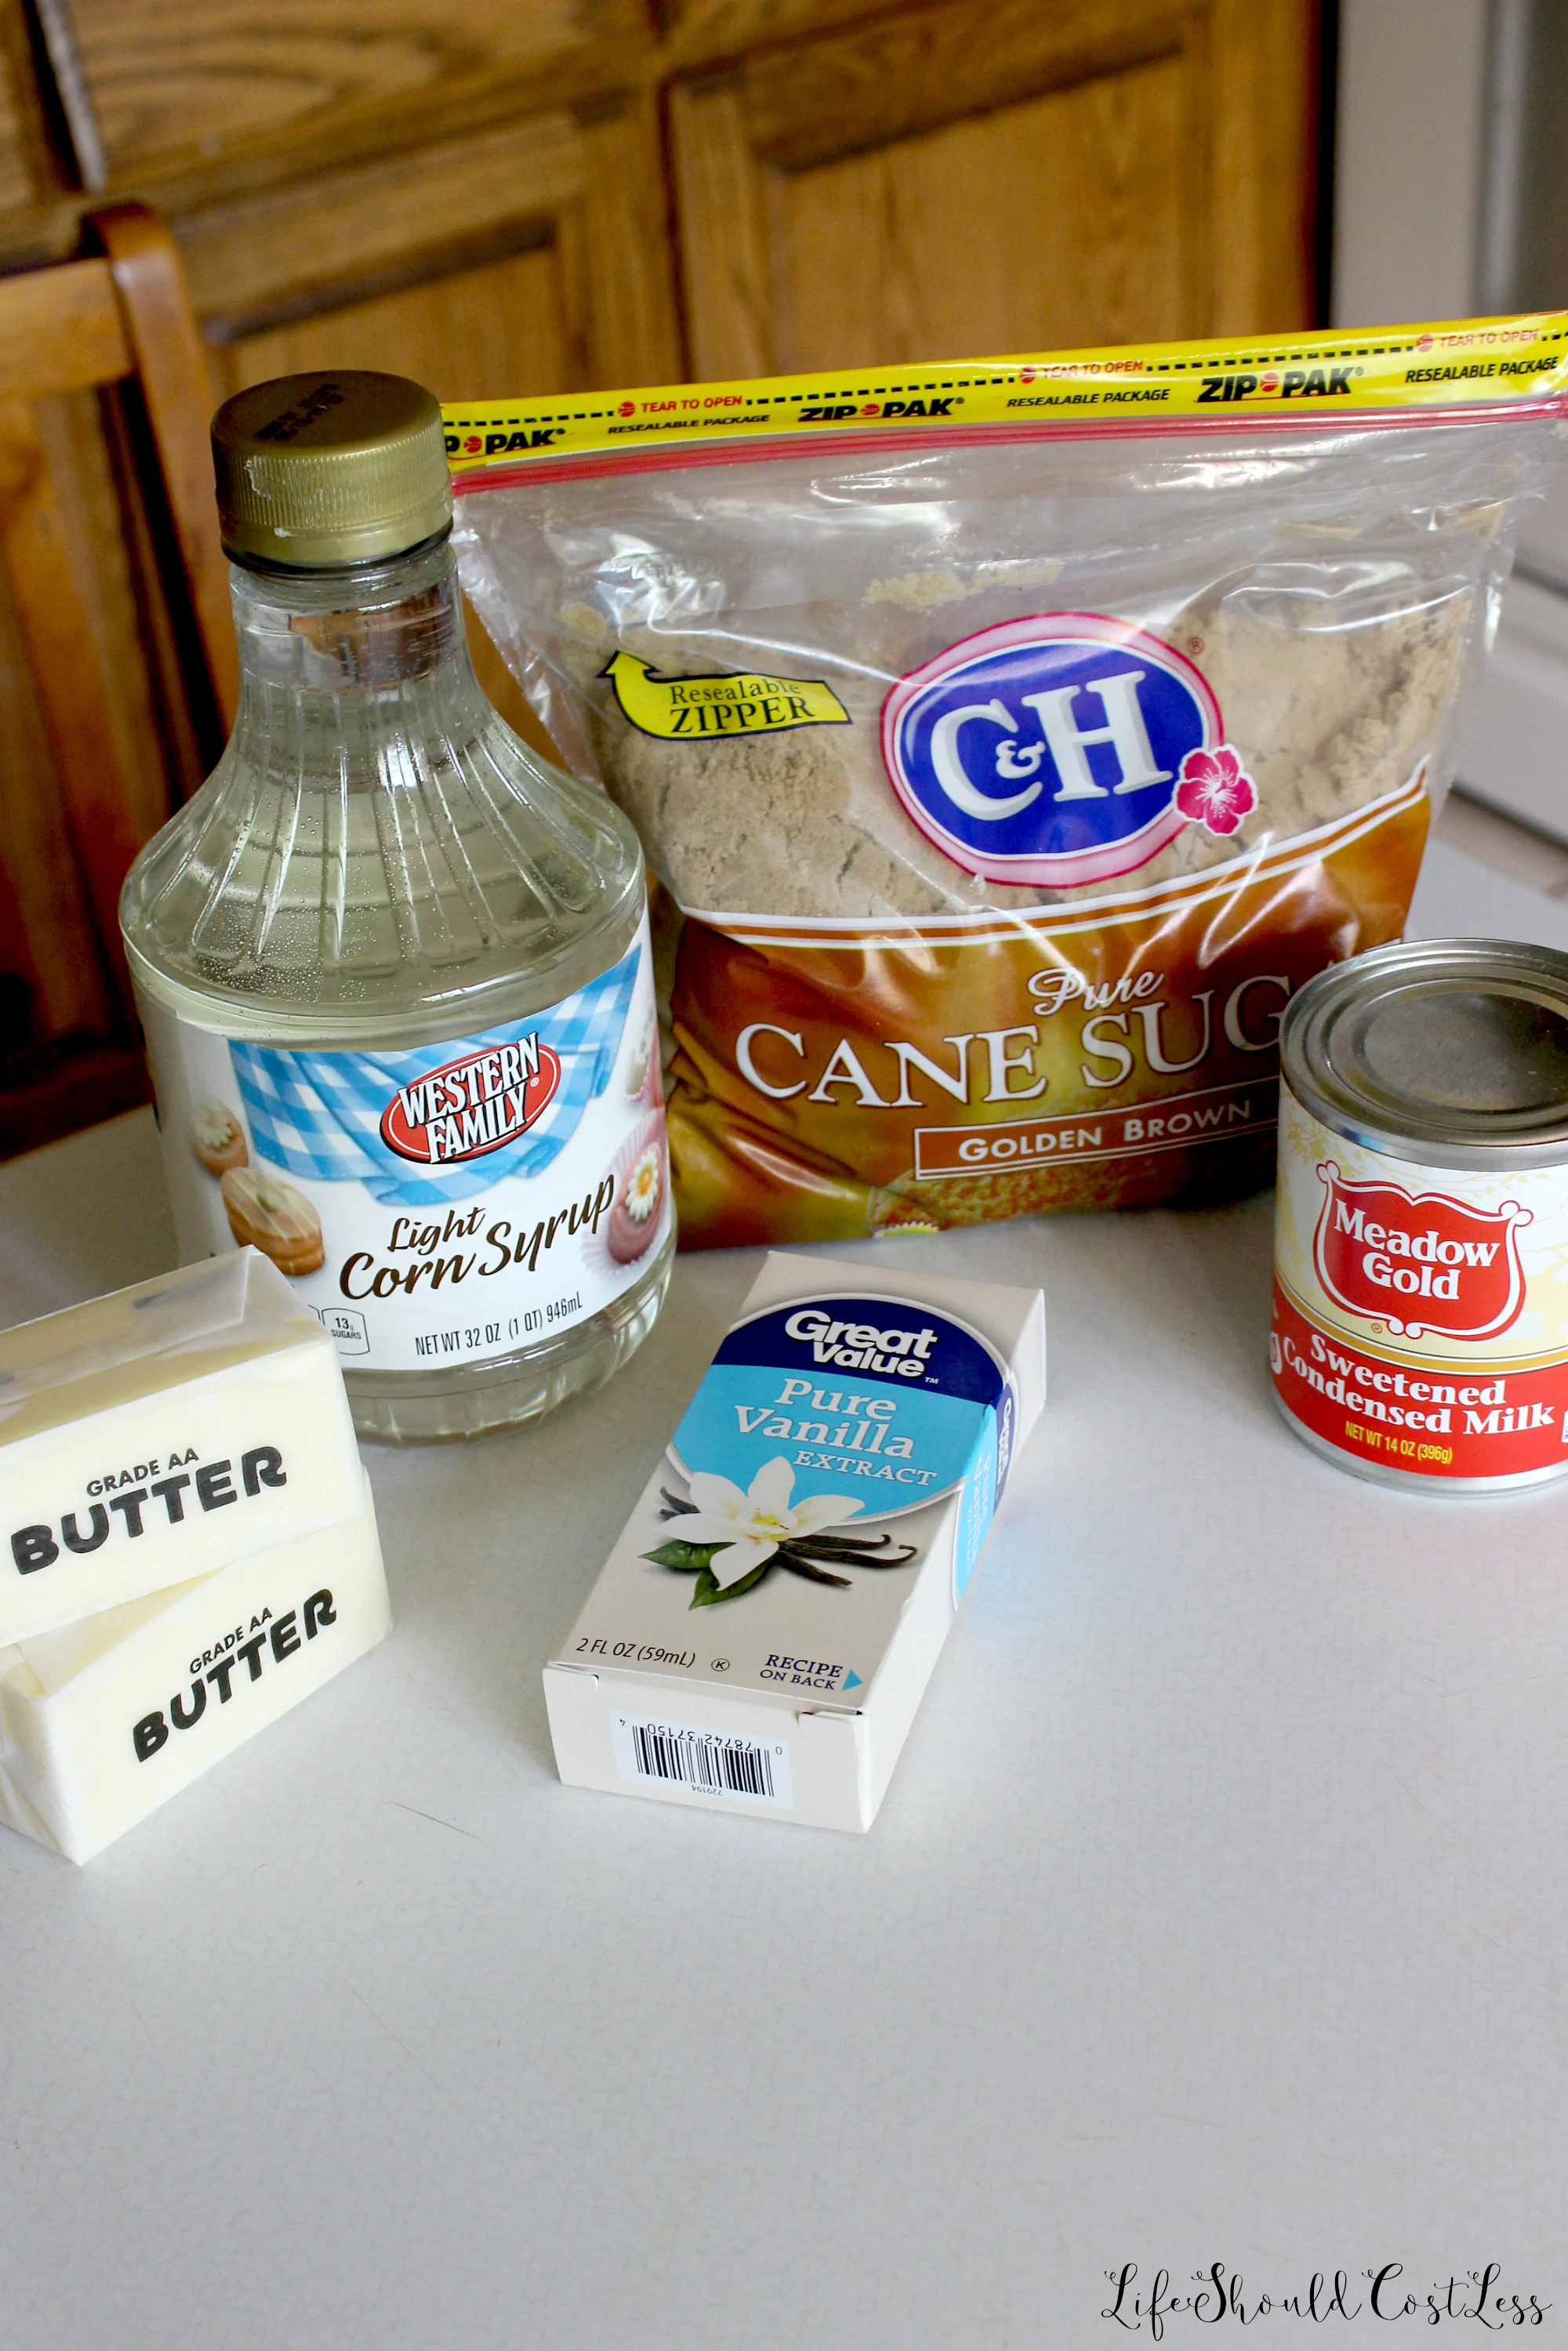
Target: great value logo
471,1105
1421,1262
862,1346
1060,750
888,1338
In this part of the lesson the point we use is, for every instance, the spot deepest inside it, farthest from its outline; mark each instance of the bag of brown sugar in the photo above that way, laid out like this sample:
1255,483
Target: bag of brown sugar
1011,739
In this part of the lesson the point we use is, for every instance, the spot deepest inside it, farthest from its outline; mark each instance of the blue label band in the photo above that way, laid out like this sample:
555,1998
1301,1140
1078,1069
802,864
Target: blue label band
876,1405
362,1118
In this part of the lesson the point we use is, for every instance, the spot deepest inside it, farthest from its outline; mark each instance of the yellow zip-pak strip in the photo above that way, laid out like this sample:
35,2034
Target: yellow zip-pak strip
1463,364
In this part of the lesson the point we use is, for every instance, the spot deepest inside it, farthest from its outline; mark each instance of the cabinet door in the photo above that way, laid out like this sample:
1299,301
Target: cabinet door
519,261
995,175
185,86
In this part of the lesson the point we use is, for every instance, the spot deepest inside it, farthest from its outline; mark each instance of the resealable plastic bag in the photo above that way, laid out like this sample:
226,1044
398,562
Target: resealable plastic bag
1011,739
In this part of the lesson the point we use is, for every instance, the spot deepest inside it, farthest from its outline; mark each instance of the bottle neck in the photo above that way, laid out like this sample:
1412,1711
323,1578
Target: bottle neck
362,634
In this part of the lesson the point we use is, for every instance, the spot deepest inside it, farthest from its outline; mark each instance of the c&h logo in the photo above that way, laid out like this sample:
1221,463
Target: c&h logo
1060,750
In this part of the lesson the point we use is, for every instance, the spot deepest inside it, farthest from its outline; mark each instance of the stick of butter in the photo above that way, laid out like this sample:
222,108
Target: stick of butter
162,1432
105,1719
764,1629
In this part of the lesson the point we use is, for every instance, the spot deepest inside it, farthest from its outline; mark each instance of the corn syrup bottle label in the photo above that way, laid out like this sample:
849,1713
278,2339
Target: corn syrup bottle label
436,1206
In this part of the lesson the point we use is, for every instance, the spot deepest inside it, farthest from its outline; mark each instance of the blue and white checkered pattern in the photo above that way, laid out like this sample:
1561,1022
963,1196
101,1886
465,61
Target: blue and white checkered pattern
319,1114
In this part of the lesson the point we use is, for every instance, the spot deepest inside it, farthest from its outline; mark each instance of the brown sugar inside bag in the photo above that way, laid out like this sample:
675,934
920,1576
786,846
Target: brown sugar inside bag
1008,785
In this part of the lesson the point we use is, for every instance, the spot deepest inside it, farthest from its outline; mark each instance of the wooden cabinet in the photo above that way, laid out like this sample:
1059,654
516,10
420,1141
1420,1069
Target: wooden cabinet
534,195
610,189
522,256
994,175
178,86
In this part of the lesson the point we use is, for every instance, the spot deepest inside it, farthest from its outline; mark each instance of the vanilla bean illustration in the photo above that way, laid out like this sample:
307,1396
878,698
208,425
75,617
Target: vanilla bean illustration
799,1565
847,1555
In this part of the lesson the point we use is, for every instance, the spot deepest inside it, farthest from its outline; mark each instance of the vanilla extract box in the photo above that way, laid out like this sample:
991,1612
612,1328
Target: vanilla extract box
763,1630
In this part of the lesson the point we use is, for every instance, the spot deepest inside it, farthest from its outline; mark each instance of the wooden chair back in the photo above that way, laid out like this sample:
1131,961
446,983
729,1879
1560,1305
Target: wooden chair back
119,323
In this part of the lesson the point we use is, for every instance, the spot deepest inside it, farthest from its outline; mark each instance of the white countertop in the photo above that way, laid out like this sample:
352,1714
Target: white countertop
1216,1912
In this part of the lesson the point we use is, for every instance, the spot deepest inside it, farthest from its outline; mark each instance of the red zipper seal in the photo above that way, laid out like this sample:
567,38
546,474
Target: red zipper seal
596,464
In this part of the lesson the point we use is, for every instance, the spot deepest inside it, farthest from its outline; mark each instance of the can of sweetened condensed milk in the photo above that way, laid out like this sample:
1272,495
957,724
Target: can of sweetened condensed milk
1420,1326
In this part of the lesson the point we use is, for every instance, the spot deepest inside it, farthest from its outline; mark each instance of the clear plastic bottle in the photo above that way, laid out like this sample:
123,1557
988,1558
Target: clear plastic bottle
394,969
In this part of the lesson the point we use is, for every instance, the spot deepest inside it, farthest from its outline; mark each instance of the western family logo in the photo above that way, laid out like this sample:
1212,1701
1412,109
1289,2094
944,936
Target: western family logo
471,1105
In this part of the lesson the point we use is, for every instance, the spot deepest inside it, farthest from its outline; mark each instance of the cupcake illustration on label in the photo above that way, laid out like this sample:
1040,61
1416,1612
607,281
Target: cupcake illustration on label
265,1212
217,1138
641,1185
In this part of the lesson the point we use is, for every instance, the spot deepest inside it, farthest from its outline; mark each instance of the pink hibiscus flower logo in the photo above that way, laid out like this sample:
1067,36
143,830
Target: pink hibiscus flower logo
1213,792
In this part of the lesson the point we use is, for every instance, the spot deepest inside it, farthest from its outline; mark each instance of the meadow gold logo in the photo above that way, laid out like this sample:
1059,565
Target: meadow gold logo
1418,1261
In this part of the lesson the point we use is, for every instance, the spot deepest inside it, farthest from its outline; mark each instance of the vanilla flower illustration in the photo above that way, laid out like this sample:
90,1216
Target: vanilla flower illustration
752,1526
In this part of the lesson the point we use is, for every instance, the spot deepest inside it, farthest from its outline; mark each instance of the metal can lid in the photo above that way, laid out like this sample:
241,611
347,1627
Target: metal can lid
1449,1051
319,470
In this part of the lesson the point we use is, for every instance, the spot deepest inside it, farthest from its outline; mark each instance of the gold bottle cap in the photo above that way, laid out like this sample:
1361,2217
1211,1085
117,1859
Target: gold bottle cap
327,469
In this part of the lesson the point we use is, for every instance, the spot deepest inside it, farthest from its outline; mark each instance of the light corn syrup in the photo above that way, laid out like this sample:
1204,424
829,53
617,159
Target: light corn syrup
395,980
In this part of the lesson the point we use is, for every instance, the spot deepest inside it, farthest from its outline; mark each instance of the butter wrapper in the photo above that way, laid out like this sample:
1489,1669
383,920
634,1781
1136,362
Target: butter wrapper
764,1629
104,1720
162,1432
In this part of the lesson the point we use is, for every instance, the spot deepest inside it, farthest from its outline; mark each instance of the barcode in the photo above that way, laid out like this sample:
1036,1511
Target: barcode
681,1755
